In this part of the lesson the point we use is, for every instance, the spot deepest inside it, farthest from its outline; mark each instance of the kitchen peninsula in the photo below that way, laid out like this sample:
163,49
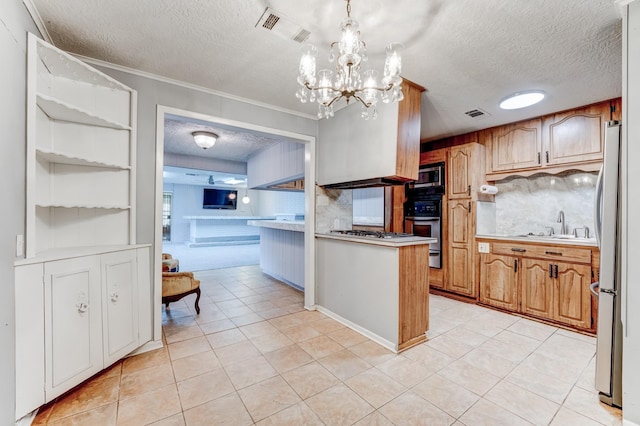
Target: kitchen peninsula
282,250
378,286
209,230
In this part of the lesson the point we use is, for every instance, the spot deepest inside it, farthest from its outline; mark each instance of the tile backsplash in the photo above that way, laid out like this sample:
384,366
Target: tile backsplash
334,209
525,205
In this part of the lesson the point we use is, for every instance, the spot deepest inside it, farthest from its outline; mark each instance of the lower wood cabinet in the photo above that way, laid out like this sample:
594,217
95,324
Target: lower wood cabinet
530,279
499,278
75,317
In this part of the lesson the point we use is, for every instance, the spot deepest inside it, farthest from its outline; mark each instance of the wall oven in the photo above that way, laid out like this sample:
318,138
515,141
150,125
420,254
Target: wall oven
423,218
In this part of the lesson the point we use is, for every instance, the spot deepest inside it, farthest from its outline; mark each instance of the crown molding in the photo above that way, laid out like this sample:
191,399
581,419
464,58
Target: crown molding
191,86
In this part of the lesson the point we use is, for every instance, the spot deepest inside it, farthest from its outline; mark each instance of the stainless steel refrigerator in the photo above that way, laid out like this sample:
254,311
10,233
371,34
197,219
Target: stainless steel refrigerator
607,289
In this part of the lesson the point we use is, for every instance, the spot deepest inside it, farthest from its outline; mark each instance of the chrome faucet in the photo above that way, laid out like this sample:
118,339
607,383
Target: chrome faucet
563,225
586,231
550,228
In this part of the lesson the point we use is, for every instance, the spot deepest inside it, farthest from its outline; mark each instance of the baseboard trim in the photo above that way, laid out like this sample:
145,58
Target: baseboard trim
147,347
355,327
28,419
626,422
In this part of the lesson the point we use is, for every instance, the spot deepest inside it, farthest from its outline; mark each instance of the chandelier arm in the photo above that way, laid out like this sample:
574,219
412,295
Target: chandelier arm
337,98
366,104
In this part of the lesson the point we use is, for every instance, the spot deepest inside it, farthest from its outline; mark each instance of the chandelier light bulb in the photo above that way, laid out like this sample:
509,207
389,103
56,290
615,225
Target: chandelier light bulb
347,81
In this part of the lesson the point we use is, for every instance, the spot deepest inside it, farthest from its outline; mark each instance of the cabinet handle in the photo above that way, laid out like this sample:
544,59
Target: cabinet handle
519,250
82,307
547,155
538,157
114,297
553,253
550,271
469,206
515,265
556,271
469,190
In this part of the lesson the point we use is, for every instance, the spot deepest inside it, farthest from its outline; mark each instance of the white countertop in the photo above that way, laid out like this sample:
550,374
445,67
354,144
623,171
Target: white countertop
543,239
285,225
228,217
388,242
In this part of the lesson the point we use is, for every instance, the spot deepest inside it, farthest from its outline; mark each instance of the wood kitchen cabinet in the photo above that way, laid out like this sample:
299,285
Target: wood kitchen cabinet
499,278
550,282
554,143
575,136
516,146
465,171
460,277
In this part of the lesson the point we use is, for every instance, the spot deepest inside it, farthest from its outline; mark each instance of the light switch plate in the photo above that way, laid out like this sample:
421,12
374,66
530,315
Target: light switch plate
483,247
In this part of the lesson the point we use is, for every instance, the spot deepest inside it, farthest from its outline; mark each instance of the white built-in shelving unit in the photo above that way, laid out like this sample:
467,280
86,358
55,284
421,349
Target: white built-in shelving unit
81,147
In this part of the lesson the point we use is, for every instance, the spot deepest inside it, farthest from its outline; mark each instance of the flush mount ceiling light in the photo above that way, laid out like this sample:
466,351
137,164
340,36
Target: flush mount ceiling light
522,99
204,140
347,82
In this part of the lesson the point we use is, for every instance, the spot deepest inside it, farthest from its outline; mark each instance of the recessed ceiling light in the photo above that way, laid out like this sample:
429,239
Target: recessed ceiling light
522,99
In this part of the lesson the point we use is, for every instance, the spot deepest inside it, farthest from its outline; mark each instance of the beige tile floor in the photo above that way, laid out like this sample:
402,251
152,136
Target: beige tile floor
255,356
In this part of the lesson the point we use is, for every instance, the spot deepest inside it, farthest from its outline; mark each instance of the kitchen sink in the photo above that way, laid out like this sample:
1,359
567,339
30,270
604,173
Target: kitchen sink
553,237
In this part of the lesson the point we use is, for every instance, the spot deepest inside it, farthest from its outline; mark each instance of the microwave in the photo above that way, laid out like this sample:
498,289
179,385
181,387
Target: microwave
430,176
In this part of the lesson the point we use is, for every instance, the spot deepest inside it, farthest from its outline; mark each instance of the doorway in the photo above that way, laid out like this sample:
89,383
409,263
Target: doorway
309,196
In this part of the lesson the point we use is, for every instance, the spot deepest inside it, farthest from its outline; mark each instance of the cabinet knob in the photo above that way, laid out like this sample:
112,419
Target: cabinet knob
82,307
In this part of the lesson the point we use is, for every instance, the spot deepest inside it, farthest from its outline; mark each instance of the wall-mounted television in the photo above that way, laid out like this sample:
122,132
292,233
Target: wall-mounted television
219,198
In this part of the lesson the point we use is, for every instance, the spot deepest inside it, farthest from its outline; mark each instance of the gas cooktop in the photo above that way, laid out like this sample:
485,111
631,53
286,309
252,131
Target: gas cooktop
371,234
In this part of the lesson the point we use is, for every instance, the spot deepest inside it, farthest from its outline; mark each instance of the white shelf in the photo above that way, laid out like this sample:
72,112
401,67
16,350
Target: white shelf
62,111
85,206
62,158
61,64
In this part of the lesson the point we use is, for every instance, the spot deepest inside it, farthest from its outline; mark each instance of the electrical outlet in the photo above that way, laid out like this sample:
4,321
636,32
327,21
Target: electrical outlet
19,245
483,247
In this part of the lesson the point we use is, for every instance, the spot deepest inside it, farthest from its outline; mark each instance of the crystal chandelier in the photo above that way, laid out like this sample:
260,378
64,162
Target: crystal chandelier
347,82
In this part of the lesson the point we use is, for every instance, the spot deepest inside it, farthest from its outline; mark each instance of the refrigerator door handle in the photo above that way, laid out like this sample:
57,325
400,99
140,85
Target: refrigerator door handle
598,206
593,287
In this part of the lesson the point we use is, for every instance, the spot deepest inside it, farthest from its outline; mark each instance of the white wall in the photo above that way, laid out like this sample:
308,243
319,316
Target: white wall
14,24
187,201
280,202
631,225
368,206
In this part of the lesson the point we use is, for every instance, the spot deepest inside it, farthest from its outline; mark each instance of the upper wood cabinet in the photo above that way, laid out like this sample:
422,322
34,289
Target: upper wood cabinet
554,143
516,146
575,136
465,172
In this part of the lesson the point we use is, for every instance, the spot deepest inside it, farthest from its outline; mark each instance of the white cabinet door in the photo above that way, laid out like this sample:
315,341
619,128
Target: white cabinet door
73,323
119,302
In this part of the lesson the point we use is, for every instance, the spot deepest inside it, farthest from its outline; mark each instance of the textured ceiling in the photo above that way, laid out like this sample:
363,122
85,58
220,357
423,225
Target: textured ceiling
233,143
467,53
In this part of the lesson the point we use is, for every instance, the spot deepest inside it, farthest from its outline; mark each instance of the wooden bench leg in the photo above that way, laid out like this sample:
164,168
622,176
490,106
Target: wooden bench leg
197,301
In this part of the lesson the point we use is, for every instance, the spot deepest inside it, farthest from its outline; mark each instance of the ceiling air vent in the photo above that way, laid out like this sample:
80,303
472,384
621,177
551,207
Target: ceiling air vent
276,22
477,113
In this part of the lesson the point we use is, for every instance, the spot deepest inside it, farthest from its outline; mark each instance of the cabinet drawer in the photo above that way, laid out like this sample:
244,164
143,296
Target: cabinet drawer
572,254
